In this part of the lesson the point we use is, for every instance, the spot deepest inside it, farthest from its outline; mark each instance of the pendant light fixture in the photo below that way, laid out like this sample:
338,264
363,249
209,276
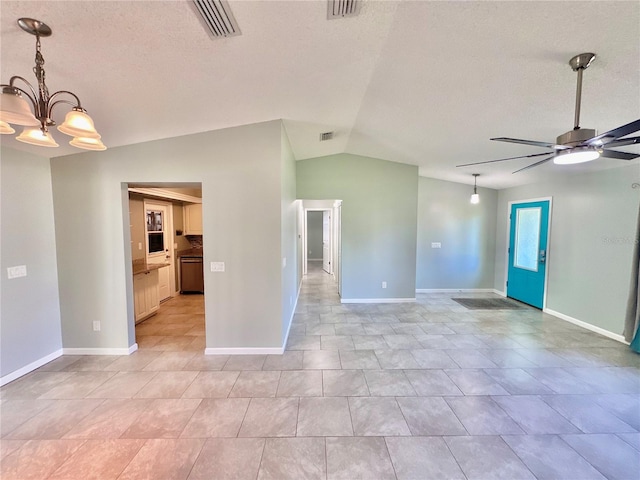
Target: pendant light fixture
475,198
35,115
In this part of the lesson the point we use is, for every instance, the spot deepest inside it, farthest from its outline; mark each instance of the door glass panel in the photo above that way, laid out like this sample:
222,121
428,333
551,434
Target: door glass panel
527,238
155,231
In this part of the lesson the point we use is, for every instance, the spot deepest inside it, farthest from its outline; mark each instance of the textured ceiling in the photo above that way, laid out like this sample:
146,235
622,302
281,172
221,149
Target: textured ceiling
425,83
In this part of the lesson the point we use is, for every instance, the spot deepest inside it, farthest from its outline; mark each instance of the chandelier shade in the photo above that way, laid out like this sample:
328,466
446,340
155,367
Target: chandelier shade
5,128
88,143
15,109
78,124
33,107
35,136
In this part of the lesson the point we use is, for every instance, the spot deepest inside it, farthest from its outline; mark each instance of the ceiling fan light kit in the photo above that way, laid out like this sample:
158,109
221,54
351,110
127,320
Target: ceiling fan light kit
35,115
579,145
576,155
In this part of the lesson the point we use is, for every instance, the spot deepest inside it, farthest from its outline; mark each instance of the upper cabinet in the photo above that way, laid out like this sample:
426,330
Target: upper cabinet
193,219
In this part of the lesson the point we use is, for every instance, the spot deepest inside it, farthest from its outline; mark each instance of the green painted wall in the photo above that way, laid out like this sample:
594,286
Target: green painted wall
379,219
29,307
592,230
242,189
466,232
288,233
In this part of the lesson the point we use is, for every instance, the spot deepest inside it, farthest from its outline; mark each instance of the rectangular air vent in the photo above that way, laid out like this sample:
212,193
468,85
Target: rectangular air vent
343,8
217,18
326,136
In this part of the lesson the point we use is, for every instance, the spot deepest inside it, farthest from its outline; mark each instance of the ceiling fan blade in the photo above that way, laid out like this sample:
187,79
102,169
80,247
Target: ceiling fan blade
623,142
524,142
503,159
619,155
611,135
536,164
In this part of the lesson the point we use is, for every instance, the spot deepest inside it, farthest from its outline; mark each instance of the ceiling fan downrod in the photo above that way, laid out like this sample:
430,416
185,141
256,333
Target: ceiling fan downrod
579,63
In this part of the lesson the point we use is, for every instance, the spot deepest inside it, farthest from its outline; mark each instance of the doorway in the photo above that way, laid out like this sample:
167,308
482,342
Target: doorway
321,237
163,229
529,223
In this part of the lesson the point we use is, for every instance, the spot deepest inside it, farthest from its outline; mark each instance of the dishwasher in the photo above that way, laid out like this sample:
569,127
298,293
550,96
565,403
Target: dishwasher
191,275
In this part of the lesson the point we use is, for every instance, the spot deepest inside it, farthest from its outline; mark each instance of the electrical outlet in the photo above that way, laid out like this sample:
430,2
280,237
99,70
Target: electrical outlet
139,245
217,266
16,272
436,245
384,284
96,325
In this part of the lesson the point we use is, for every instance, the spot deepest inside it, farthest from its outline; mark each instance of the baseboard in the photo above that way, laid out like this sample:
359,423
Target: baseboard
377,300
10,377
245,351
455,290
100,351
500,292
587,326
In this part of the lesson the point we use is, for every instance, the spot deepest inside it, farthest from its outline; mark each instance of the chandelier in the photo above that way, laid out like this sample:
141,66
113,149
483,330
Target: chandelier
36,118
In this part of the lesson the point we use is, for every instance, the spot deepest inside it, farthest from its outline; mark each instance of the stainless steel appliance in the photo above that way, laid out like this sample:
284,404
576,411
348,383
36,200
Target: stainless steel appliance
191,274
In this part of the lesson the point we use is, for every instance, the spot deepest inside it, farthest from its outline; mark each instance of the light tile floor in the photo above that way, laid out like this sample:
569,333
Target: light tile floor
408,391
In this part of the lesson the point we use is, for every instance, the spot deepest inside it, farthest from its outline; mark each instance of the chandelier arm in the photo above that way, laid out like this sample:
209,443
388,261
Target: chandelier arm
34,98
51,97
51,105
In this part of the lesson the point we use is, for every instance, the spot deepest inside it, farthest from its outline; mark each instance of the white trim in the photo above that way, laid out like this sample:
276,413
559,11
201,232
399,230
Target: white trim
100,351
455,290
293,312
167,194
506,263
245,351
377,300
10,377
498,292
314,259
587,326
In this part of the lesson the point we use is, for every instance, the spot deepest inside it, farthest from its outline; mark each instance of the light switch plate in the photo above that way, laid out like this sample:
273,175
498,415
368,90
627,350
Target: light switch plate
217,266
284,262
436,245
96,325
16,272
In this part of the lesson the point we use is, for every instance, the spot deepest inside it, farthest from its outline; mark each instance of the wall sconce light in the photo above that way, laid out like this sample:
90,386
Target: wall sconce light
475,198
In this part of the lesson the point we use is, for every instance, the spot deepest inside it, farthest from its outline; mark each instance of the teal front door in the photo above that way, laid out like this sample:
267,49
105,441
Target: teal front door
528,252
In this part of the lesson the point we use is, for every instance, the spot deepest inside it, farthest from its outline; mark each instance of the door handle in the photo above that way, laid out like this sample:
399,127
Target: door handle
543,256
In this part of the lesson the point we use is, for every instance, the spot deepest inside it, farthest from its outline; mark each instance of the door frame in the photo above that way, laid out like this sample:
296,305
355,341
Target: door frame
548,258
305,235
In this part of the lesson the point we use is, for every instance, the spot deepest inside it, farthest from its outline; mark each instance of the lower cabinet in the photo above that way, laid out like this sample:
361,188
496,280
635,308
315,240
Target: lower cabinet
145,294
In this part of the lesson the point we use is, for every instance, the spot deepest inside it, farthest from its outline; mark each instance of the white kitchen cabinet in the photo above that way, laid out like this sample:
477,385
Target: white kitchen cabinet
145,294
193,219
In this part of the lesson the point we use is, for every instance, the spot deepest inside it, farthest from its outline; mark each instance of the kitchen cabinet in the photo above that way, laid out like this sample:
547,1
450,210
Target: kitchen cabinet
146,299
193,219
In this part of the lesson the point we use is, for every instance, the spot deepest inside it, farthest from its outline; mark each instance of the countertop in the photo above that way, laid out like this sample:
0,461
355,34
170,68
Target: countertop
143,267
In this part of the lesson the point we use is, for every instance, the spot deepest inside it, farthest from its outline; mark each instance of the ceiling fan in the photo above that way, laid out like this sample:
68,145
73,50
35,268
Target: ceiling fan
580,144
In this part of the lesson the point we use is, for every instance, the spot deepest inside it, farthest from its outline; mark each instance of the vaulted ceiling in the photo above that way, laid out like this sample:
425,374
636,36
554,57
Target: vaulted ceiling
421,82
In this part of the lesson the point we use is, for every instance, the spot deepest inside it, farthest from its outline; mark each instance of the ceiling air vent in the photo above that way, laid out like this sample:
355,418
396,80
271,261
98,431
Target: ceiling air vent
217,18
343,8
326,136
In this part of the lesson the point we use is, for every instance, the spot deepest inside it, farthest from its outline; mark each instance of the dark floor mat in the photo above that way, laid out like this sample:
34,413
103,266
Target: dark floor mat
489,304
